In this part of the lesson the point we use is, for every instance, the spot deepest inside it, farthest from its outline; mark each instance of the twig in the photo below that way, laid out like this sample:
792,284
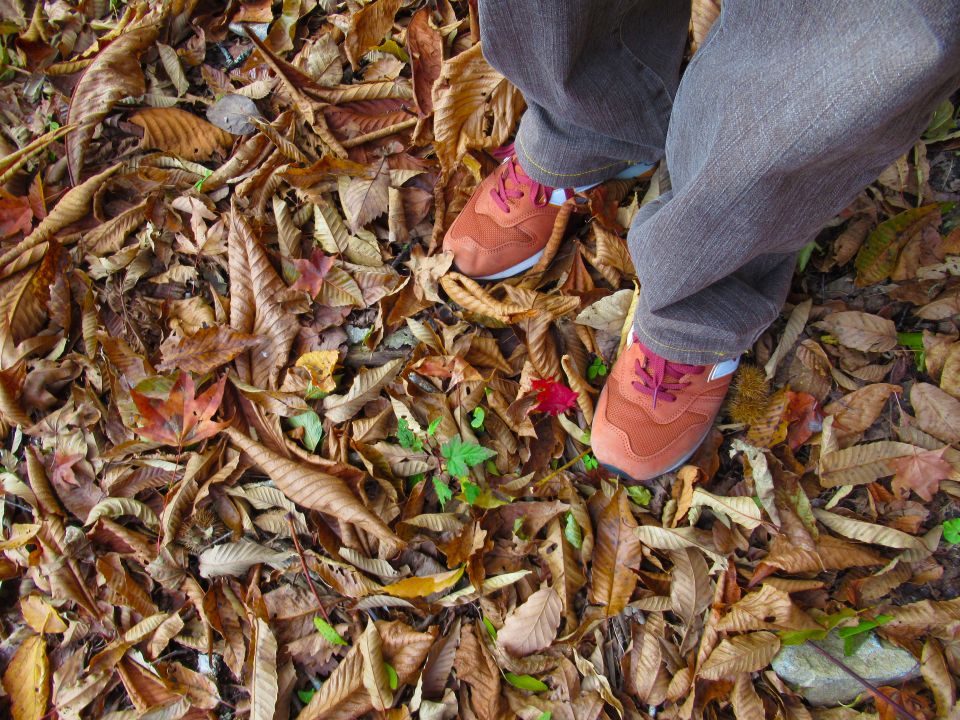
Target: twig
873,689
306,570
560,469
381,133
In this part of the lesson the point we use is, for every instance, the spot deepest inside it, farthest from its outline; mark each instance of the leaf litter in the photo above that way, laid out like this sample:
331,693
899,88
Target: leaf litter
267,455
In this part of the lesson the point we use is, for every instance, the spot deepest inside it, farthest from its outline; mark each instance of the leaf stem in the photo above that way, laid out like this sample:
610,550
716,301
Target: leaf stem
381,133
873,689
306,570
560,469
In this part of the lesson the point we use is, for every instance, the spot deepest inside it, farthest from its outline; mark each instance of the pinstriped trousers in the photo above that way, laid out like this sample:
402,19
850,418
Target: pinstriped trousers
787,111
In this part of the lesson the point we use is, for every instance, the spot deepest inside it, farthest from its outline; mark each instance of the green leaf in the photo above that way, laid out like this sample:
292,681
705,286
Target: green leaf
912,340
444,493
518,528
799,637
877,257
305,695
462,456
598,368
314,393
434,424
312,428
416,479
471,491
640,495
490,629
392,677
941,124
328,632
590,462
572,531
951,531
478,416
525,682
803,257
391,47
406,436
545,715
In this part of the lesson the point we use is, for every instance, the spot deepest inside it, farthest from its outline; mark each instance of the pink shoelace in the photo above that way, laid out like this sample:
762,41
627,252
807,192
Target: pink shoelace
502,195
653,374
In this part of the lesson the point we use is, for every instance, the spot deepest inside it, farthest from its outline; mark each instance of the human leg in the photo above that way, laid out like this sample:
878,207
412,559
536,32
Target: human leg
598,77
781,119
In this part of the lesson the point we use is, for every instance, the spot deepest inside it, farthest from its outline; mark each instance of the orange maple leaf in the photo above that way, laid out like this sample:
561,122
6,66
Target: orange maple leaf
181,419
920,472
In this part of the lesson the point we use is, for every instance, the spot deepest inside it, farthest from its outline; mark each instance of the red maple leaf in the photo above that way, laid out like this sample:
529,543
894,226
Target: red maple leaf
553,397
312,272
921,472
181,419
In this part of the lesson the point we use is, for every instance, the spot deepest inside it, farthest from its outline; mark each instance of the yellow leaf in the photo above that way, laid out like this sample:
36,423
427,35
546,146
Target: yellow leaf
320,365
413,587
27,680
41,616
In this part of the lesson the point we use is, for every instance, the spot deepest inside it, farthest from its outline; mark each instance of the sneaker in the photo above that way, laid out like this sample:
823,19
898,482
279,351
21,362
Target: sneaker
505,226
653,414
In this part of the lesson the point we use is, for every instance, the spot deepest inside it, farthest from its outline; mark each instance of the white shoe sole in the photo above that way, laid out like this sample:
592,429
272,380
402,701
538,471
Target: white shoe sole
516,269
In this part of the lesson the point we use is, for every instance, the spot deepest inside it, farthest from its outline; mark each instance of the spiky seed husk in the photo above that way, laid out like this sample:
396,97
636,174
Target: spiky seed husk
749,395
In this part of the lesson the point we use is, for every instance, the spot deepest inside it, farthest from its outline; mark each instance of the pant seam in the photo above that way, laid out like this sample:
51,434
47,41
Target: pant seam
576,174
699,351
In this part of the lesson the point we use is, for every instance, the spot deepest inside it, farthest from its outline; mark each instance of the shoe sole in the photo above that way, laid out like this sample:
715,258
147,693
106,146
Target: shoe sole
515,270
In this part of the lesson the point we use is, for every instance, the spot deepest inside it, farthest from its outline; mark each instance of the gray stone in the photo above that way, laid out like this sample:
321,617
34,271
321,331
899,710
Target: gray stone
823,683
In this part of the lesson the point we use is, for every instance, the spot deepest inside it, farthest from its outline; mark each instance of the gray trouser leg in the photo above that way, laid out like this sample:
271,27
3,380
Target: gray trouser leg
598,76
787,111
784,115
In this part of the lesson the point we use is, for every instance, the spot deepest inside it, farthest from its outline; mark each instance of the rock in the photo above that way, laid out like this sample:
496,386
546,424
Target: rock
823,683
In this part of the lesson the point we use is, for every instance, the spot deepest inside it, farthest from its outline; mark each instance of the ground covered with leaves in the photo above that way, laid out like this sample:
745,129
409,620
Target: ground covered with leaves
267,455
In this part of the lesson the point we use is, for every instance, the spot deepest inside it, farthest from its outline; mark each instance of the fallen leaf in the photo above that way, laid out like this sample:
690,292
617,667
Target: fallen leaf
921,472
532,626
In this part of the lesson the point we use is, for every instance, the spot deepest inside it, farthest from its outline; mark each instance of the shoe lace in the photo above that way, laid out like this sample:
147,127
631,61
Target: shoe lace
660,378
502,194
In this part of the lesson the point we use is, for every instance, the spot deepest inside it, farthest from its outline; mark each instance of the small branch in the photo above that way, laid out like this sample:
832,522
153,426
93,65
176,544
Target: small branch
381,133
560,469
306,570
873,689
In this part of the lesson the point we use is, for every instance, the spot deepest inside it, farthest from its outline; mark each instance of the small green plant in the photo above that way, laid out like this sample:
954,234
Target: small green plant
590,462
598,368
855,636
640,495
913,341
444,493
572,531
461,456
951,531
478,417
328,632
312,428
407,438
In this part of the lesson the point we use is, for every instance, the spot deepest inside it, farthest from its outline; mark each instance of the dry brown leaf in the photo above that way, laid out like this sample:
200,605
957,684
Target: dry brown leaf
368,27
476,667
204,351
466,96
937,675
310,487
375,679
257,307
616,549
950,375
113,75
937,412
746,703
861,464
766,609
366,387
858,410
263,682
861,331
870,532
532,626
740,654
180,133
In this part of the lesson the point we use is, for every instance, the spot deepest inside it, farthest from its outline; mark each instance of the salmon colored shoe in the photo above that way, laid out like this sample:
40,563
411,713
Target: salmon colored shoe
653,413
505,225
